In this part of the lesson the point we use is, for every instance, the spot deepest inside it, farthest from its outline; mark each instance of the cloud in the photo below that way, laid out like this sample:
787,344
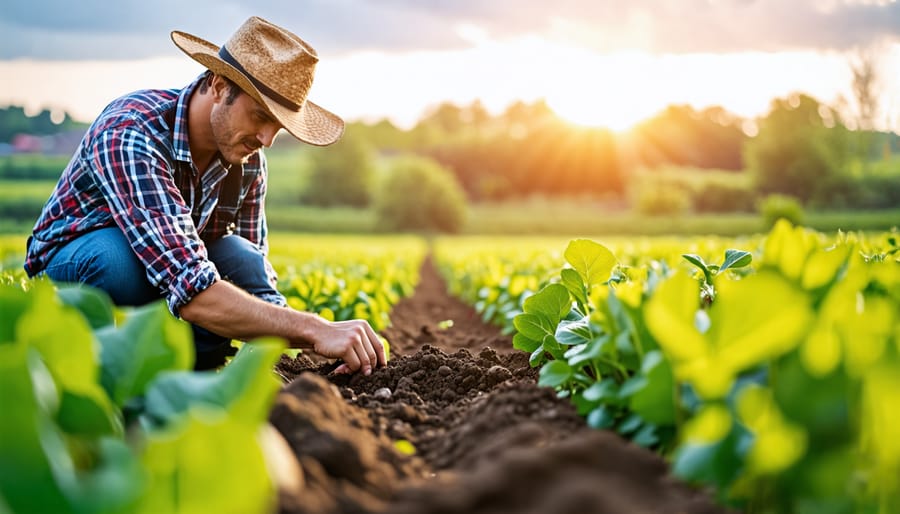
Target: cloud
127,29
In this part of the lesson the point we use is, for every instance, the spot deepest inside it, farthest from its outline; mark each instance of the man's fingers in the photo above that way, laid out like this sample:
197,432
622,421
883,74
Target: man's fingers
343,369
378,357
351,359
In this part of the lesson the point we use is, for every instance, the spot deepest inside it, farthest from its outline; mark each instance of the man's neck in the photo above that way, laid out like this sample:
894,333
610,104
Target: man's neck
200,138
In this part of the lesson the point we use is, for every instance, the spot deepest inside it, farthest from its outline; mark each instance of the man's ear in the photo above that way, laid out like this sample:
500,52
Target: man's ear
218,87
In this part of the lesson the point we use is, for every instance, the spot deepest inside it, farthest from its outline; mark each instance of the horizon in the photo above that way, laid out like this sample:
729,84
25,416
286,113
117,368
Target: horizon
595,63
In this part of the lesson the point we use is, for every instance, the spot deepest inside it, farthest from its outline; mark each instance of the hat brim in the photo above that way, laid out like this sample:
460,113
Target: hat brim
312,124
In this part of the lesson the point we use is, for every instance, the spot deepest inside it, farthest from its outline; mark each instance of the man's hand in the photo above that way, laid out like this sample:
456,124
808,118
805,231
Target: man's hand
353,341
231,312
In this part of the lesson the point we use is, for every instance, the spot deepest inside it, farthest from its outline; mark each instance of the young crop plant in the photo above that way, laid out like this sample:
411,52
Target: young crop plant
593,346
733,259
102,413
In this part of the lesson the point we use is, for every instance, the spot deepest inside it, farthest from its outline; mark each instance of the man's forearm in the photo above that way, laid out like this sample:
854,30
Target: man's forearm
232,312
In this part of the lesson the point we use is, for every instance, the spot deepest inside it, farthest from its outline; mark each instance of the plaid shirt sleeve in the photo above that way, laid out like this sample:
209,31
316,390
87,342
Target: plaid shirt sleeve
251,224
137,182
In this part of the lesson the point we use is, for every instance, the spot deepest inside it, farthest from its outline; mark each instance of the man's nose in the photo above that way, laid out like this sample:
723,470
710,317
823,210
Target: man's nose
266,135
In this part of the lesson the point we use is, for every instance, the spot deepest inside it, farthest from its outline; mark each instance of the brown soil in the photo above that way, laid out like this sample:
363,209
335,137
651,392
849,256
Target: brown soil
487,439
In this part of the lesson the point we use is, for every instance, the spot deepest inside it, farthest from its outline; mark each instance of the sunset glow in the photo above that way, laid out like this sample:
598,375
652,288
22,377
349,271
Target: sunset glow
591,70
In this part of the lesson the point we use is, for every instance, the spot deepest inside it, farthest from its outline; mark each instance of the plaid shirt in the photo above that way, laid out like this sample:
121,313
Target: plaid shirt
134,171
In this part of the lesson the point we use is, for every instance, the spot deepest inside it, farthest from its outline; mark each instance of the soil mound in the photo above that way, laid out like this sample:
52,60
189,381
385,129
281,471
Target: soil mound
457,424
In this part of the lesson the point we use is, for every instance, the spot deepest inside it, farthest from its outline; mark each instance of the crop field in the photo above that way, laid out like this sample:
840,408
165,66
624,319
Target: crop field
758,374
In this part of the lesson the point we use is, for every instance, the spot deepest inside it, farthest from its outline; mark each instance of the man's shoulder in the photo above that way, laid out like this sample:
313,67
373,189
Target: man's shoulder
140,111
138,107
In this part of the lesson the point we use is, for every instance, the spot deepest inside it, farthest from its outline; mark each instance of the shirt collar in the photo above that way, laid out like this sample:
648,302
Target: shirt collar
180,130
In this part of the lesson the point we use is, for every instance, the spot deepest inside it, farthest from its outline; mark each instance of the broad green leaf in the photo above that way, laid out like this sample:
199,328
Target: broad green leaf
520,342
669,315
821,352
148,342
593,261
245,388
646,436
601,417
116,483
606,389
717,464
35,467
630,424
554,374
866,332
207,461
655,399
574,332
68,347
777,444
13,303
591,351
881,417
788,247
756,319
537,357
552,302
534,326
823,266
735,259
573,282
94,304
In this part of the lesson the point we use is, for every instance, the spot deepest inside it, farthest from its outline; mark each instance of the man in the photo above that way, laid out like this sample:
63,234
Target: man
165,198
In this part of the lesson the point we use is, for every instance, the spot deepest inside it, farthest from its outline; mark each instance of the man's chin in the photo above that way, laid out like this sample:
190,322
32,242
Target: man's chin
236,159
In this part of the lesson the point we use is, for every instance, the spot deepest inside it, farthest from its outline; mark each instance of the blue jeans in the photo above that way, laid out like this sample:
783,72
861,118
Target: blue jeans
104,259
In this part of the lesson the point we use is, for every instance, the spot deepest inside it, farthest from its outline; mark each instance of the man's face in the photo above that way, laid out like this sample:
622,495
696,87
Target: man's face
241,127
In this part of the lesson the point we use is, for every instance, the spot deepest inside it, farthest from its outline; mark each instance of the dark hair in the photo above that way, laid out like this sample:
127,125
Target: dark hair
233,89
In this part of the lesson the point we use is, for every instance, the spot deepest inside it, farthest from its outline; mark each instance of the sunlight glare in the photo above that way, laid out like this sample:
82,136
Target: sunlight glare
610,91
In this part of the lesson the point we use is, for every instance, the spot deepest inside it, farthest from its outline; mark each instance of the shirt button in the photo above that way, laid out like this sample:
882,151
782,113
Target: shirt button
230,228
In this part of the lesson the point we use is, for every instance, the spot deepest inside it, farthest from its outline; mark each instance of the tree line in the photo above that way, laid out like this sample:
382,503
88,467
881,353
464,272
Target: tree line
14,121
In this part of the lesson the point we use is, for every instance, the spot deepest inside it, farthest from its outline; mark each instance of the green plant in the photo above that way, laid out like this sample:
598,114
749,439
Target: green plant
776,206
418,194
104,416
733,259
341,174
662,200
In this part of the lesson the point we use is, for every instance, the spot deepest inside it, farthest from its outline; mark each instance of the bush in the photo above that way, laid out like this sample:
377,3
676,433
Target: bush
341,174
418,194
776,206
662,200
716,197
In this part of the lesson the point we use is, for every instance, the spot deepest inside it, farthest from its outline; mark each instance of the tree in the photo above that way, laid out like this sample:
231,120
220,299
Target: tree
418,194
796,151
864,66
341,173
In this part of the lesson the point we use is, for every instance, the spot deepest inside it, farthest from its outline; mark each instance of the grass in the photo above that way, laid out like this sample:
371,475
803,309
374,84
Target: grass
581,218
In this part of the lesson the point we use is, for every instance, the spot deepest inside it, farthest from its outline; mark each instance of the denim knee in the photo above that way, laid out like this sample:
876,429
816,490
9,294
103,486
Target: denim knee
240,262
104,259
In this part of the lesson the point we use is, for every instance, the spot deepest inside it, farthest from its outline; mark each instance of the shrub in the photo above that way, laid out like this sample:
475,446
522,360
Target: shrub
341,174
418,194
662,200
777,206
716,197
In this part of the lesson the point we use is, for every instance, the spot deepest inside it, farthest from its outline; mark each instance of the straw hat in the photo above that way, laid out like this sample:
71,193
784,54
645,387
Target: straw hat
274,67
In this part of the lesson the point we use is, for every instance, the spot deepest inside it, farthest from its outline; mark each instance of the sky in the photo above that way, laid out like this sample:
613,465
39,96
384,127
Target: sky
596,62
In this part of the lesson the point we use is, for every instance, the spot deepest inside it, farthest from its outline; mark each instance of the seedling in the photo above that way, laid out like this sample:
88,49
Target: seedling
733,259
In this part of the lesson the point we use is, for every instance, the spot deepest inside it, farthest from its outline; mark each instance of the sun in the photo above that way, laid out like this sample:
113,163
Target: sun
592,112
613,91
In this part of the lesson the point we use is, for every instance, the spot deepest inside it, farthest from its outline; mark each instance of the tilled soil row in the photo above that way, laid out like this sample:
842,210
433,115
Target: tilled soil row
456,424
